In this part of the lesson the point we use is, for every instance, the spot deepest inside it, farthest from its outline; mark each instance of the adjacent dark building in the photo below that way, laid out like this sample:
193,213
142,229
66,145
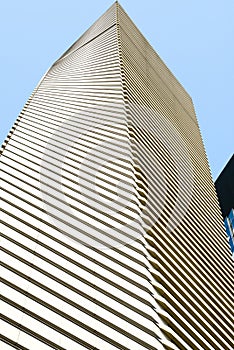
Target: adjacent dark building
225,191
225,188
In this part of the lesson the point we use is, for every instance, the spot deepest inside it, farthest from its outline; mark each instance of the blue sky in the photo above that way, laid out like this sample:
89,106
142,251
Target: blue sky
194,38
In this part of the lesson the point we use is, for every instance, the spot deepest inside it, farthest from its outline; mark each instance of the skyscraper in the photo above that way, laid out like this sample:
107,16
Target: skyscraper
107,201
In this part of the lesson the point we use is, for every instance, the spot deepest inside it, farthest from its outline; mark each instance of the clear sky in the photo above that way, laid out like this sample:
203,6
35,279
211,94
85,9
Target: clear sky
194,38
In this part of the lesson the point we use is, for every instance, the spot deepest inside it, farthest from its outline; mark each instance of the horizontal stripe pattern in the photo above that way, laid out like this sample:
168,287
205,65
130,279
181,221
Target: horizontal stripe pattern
57,293
189,270
107,203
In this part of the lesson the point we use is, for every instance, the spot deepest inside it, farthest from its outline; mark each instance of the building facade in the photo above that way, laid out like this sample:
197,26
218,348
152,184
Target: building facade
107,201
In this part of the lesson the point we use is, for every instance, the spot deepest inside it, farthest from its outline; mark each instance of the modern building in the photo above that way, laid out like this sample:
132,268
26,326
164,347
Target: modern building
107,201
225,191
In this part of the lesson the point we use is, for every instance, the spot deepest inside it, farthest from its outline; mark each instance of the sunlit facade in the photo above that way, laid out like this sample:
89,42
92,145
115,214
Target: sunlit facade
107,205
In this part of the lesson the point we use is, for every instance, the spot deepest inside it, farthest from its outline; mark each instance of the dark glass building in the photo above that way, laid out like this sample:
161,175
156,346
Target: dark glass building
225,191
